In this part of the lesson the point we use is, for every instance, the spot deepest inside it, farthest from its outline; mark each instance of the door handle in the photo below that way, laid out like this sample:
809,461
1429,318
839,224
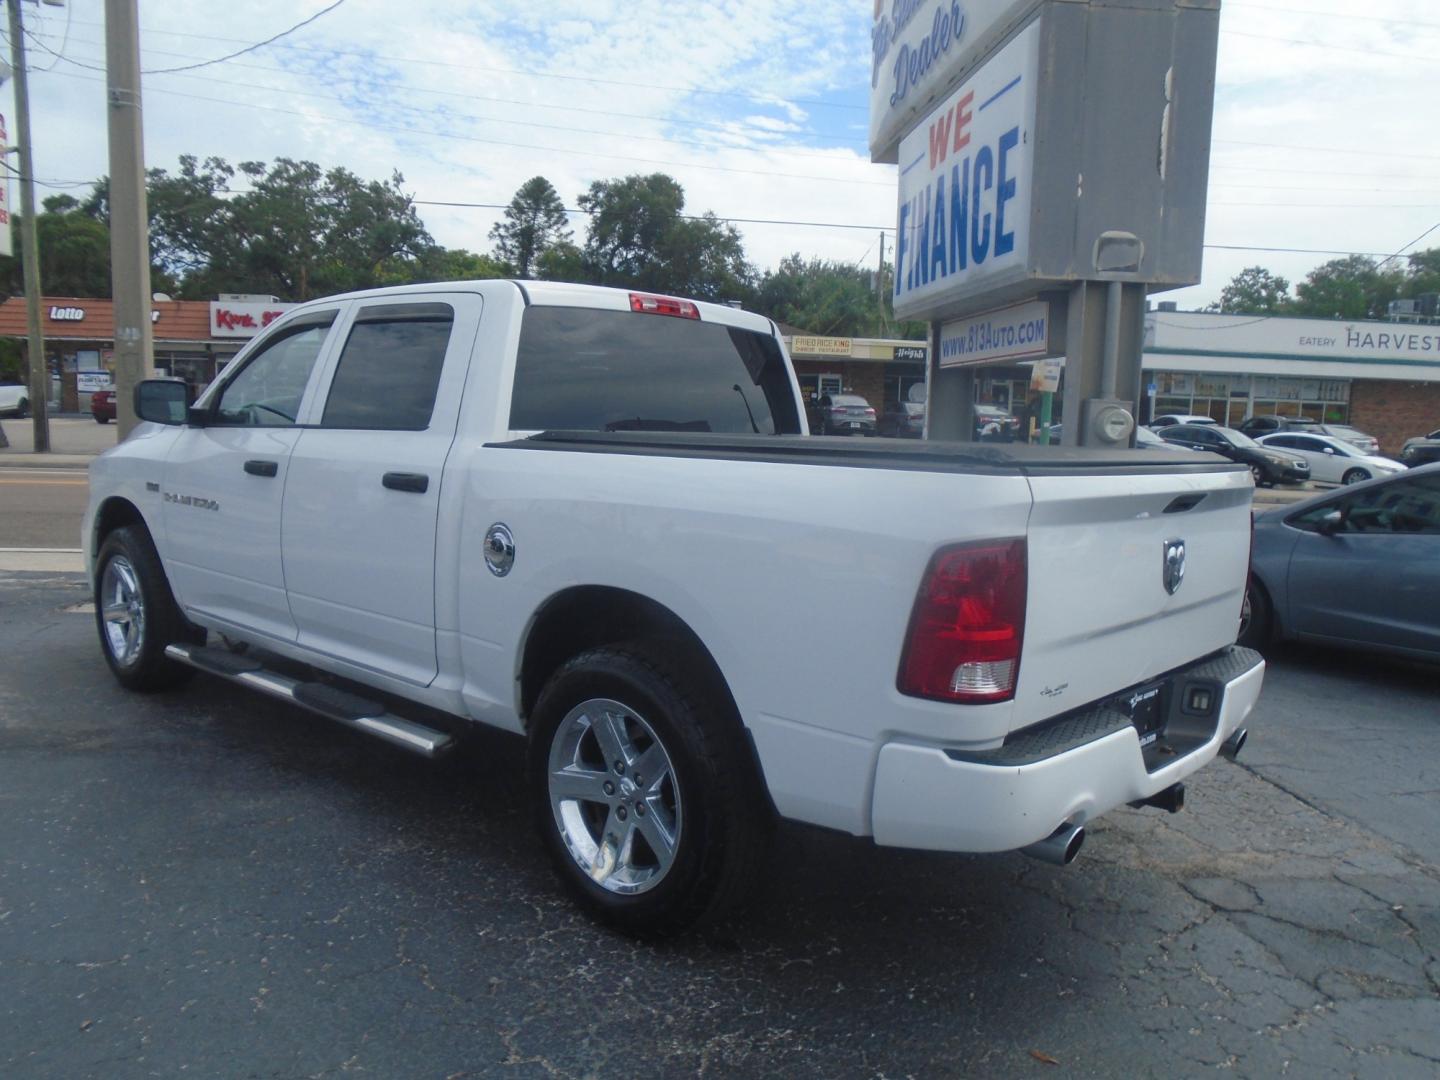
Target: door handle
262,468
406,481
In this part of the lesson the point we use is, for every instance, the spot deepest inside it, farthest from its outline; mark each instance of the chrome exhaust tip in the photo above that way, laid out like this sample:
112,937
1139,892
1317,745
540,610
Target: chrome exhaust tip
1060,847
1232,746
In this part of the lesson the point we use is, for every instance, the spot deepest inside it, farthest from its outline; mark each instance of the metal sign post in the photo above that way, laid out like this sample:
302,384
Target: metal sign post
1050,147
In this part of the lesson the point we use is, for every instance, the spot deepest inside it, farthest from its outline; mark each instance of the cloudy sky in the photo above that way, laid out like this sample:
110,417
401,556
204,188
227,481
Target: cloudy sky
758,107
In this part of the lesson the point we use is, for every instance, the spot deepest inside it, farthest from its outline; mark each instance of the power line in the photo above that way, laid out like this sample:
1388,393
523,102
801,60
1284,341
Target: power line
502,142
248,48
1323,45
428,62
1411,244
1246,4
64,41
1324,149
360,99
568,107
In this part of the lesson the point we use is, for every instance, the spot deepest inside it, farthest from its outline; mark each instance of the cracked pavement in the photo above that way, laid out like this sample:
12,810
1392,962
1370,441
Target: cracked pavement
208,882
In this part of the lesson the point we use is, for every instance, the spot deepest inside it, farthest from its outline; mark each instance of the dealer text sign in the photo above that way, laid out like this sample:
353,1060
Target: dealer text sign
919,48
965,184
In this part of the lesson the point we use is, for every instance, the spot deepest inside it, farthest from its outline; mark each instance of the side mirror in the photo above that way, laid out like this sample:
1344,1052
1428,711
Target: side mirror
1331,523
162,401
1330,450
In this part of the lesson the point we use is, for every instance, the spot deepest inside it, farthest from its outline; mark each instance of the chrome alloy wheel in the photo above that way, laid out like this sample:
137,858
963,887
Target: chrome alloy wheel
122,606
614,796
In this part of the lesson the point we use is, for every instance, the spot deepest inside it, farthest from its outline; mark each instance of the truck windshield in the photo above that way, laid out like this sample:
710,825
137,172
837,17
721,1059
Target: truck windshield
581,369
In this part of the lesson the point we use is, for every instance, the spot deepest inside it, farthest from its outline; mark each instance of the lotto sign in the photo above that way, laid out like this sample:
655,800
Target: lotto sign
965,185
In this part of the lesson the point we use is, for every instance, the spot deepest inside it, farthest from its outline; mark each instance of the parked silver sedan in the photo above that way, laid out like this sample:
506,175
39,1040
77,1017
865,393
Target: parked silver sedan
1358,567
1332,459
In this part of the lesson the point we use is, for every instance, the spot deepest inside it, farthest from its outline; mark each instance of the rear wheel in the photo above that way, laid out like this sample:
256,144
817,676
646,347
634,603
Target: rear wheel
643,792
136,613
1256,616
101,419
1354,476
1258,474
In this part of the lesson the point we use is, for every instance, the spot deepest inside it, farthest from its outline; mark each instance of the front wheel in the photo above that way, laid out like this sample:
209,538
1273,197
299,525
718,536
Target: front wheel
136,613
23,409
1354,476
643,791
102,419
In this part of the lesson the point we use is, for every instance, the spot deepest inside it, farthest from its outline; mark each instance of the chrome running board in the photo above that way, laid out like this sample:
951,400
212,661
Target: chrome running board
341,706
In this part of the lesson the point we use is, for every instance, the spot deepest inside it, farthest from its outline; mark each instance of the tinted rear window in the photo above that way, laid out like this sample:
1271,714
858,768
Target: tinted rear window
579,369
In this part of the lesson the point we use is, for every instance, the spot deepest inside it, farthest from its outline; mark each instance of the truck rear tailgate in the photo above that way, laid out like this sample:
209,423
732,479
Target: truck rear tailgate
1102,612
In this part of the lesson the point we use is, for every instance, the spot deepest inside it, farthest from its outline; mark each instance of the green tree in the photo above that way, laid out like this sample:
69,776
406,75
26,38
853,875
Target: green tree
639,238
74,252
534,222
1350,288
827,297
1254,291
1422,273
457,264
562,262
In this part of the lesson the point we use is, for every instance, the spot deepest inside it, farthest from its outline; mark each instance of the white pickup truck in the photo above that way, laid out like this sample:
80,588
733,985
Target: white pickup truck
594,518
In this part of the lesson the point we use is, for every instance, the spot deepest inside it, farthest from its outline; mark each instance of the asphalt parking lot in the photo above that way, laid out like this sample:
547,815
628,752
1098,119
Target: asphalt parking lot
209,883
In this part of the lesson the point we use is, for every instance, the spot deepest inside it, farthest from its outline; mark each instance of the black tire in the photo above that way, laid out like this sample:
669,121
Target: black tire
23,409
101,419
1354,476
1257,617
720,839
147,668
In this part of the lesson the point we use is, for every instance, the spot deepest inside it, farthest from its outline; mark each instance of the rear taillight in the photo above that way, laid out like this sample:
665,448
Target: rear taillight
869,412
663,305
968,625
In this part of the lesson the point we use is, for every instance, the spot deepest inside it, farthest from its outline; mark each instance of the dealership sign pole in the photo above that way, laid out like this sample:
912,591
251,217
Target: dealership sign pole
1052,161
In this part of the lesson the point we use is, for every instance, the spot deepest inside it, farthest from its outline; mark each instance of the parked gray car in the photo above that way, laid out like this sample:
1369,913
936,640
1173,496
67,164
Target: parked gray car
1359,567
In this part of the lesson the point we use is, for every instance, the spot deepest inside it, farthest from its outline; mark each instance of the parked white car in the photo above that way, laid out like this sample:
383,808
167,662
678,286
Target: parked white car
14,401
1332,460
589,517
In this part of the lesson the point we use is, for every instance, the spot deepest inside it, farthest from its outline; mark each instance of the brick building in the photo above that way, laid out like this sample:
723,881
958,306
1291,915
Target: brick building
194,339
1381,377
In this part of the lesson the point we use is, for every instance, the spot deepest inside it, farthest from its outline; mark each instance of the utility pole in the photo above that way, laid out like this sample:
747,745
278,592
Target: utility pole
29,245
129,219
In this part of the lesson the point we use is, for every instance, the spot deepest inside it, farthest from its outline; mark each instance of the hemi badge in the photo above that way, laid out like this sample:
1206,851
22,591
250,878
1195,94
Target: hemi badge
151,487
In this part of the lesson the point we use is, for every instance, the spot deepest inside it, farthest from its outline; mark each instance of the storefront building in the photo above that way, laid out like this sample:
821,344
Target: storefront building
881,370
194,339
1381,377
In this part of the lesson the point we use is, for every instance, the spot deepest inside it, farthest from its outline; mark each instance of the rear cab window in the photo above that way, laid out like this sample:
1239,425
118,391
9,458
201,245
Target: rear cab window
389,370
585,369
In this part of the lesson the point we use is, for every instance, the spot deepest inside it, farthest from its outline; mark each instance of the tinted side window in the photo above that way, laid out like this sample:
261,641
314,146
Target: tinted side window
586,370
1288,442
1410,505
389,370
267,390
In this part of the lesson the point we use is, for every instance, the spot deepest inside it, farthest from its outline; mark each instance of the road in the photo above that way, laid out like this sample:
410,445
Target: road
41,507
209,882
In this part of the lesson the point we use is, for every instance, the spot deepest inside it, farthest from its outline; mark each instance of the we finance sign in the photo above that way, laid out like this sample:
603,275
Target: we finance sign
965,185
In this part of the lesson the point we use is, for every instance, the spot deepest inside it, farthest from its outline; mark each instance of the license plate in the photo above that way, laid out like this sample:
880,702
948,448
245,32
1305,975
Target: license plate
854,424
1146,707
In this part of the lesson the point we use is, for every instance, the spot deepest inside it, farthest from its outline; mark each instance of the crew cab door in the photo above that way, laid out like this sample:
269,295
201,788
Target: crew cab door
223,482
1376,577
363,495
